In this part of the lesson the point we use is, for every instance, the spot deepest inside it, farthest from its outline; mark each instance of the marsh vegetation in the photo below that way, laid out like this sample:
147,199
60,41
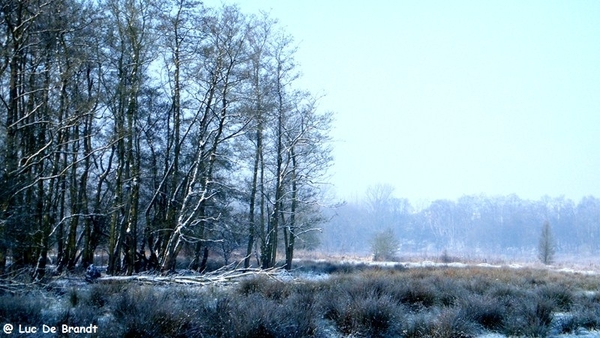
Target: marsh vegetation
323,299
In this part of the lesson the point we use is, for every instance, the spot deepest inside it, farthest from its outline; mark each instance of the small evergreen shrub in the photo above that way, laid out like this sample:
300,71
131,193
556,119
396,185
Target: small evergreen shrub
384,246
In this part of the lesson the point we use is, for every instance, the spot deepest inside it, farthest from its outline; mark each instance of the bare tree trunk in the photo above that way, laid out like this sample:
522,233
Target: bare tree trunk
291,228
273,229
253,191
174,243
14,18
90,237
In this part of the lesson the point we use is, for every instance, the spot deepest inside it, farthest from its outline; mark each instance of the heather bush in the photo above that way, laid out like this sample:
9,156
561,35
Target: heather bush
417,294
560,296
484,310
451,323
146,311
369,302
529,316
99,295
82,315
256,316
363,314
418,325
269,288
23,309
586,312
324,267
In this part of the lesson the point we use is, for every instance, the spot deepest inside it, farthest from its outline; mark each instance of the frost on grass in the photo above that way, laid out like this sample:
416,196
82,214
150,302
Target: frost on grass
329,299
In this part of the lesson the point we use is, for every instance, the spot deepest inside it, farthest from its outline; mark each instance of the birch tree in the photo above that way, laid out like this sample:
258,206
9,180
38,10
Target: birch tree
216,123
128,48
121,125
259,105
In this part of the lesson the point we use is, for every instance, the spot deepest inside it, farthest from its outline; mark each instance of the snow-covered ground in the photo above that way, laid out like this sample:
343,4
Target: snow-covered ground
565,268
191,278
558,318
581,333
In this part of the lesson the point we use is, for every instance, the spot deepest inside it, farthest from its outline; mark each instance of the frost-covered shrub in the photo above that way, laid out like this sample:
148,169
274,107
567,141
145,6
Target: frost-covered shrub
484,310
22,309
560,296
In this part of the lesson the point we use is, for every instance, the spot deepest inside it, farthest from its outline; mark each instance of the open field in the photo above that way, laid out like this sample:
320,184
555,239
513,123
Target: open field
325,299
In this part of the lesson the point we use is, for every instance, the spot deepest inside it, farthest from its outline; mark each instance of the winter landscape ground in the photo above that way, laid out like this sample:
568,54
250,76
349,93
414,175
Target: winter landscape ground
319,298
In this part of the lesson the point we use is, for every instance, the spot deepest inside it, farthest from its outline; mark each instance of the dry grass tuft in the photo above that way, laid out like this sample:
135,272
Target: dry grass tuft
356,300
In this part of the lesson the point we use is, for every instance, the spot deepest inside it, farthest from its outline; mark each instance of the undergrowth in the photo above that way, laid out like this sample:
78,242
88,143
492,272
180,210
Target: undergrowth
357,302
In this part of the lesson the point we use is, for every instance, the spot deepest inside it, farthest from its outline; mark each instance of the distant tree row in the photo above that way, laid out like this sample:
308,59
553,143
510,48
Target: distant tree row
500,225
144,129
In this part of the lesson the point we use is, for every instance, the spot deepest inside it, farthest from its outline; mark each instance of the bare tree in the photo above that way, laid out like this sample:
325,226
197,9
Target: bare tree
128,57
260,103
97,130
226,33
307,160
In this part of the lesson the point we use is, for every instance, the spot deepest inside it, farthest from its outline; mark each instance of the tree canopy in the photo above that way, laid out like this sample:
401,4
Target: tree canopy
149,130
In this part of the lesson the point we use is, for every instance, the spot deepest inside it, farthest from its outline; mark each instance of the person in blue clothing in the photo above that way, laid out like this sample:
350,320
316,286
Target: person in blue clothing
92,273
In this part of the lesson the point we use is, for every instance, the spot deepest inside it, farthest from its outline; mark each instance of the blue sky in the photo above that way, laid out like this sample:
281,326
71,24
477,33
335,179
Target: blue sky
442,99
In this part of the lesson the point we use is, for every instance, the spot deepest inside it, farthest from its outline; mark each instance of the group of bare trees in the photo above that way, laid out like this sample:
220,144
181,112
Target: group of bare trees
144,129
471,225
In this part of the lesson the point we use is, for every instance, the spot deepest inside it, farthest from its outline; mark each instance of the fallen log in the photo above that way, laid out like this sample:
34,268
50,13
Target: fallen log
217,277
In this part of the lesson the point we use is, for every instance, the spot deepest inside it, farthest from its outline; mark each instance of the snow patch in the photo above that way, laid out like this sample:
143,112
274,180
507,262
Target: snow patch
487,265
457,265
583,272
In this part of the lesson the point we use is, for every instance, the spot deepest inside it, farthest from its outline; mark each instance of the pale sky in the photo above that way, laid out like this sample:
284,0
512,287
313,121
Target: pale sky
446,98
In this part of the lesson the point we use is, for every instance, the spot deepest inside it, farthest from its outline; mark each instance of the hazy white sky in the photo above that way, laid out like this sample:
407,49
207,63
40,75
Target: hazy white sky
446,98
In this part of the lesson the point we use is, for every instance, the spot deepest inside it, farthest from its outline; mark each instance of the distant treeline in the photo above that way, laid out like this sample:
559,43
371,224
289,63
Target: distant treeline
148,129
500,225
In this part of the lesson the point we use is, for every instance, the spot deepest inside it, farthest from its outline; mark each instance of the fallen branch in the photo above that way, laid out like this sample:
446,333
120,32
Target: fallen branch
216,277
11,286
16,281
